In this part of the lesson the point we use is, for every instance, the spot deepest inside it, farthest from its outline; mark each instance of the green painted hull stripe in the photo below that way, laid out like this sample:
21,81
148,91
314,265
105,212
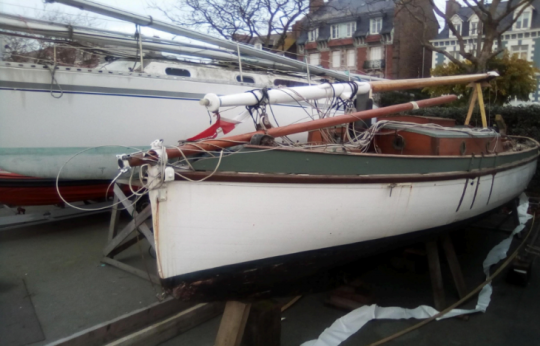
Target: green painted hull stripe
291,162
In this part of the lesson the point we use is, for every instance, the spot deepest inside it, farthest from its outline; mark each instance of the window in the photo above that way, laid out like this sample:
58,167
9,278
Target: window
336,58
258,45
177,72
334,31
288,83
474,29
313,34
314,59
375,25
375,53
523,20
458,29
246,79
350,28
521,51
351,61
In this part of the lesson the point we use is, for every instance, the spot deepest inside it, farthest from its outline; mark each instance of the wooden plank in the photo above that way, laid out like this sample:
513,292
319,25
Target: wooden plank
471,106
123,325
435,273
140,273
233,324
130,227
453,263
172,326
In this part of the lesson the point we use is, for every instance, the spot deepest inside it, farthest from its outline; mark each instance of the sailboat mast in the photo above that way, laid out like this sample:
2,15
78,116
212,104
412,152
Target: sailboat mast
176,30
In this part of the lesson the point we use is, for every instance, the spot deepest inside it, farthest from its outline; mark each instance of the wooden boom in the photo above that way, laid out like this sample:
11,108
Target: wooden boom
217,144
404,84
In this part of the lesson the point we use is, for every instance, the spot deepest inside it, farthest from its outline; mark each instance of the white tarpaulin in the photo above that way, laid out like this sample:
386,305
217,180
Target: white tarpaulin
349,324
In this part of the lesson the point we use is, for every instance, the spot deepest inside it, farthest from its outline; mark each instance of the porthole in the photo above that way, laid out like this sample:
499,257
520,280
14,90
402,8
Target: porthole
246,79
177,72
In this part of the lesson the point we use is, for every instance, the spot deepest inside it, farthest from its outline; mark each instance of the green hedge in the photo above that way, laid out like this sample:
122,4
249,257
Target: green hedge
520,121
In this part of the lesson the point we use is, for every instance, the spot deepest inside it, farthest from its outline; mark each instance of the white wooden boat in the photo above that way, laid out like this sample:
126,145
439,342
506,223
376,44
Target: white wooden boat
245,219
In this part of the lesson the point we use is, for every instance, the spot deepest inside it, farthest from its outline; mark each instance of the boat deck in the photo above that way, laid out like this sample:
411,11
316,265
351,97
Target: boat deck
69,290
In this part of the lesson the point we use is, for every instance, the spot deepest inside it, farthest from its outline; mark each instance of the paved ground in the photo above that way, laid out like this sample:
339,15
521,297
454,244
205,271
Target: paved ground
70,291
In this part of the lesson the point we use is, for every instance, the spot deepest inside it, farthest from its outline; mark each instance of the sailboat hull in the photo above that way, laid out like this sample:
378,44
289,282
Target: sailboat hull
113,112
204,228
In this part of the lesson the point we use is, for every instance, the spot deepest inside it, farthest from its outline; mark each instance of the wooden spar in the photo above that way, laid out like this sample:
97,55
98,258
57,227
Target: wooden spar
403,84
214,102
217,144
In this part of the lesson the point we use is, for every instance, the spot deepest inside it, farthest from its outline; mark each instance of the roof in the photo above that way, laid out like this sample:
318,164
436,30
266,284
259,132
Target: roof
341,11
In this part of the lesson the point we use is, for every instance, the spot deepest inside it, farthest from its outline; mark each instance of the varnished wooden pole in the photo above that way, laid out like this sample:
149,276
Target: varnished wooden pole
226,142
471,106
481,104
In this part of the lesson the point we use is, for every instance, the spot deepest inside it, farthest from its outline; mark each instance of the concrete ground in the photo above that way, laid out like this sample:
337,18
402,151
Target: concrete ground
70,290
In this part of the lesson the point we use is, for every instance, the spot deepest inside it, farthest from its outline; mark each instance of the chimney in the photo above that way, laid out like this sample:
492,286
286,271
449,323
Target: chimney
314,5
452,7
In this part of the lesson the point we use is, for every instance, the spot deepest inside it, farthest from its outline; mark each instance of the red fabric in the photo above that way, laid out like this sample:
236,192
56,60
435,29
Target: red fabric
226,126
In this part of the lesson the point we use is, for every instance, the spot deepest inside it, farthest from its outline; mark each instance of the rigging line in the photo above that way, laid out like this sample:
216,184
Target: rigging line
77,154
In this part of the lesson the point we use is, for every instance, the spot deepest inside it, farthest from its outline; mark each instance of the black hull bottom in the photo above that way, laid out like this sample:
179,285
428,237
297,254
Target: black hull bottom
289,274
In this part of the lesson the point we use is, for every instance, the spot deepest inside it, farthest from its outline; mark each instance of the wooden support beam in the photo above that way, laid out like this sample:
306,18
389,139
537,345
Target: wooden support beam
453,263
172,326
115,217
263,327
435,273
138,219
481,104
233,324
130,269
472,103
121,326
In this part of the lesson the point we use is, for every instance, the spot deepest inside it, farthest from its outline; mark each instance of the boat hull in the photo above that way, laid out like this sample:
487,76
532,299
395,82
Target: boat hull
207,227
126,111
19,190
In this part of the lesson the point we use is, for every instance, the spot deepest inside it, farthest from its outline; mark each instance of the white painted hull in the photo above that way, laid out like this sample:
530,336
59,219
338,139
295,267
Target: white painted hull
39,133
211,224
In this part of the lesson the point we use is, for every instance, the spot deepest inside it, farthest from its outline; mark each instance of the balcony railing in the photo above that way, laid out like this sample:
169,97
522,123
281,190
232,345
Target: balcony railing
374,64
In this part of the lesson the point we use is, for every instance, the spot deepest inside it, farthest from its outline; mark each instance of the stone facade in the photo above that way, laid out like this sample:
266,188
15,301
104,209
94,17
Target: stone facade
372,38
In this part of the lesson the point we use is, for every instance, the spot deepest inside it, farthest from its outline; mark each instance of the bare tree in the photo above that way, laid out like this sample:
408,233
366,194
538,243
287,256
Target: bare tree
241,20
495,17
24,48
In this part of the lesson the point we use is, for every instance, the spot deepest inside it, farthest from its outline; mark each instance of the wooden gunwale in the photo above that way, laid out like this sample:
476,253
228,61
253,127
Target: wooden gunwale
506,153
352,179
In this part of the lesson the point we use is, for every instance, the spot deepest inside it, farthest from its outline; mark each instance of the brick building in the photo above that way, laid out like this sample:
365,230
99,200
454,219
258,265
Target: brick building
367,37
522,39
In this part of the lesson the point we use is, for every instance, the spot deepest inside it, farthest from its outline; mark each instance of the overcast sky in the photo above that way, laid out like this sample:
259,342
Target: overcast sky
36,8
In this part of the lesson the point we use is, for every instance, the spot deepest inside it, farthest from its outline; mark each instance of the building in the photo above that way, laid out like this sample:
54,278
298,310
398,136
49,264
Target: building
288,48
366,37
523,38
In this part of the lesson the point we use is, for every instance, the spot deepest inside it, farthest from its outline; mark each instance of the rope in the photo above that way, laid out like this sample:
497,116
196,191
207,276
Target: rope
54,81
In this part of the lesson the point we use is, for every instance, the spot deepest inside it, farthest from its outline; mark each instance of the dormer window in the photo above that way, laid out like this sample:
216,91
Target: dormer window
350,28
456,21
474,29
523,21
342,30
375,25
313,35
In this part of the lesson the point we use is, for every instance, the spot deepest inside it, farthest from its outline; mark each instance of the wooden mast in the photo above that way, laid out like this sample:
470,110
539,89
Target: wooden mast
226,142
